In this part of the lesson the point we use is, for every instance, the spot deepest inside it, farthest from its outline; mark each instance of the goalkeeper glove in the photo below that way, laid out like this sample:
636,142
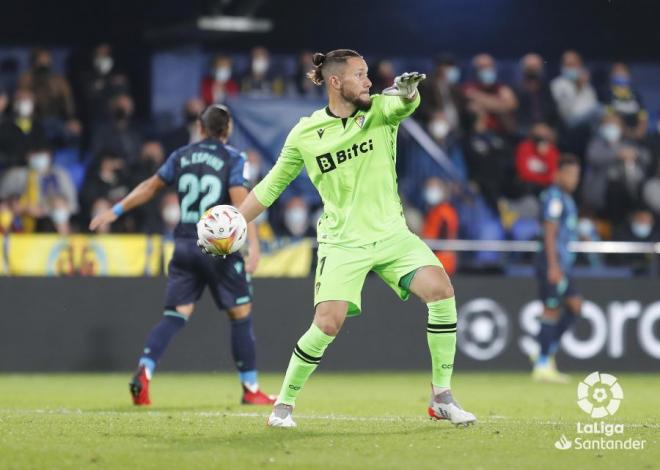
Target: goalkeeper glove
405,85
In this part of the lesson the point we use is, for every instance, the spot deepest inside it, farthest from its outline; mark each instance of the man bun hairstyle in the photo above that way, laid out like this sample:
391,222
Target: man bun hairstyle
325,62
215,120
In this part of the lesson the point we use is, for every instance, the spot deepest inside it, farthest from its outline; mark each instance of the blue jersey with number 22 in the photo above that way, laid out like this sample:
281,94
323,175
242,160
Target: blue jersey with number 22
202,174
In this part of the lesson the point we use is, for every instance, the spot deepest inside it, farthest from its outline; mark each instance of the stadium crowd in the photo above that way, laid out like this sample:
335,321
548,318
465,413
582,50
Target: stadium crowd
503,139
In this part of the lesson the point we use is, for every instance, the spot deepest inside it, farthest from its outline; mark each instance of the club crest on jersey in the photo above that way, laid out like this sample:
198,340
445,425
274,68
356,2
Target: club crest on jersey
359,120
320,133
328,162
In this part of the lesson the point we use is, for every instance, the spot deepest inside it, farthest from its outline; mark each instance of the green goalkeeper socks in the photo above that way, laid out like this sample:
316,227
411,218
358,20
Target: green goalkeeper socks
305,358
441,336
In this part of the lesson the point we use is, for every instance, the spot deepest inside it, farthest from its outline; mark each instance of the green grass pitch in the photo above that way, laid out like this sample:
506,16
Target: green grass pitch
358,421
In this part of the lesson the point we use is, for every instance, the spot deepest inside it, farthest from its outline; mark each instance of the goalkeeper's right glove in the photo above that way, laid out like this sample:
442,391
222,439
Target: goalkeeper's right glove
405,85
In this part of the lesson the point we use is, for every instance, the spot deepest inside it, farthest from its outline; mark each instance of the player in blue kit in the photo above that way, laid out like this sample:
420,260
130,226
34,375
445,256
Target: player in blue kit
205,174
561,301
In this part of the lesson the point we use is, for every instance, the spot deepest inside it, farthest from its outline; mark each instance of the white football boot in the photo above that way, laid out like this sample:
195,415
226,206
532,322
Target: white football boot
282,416
443,406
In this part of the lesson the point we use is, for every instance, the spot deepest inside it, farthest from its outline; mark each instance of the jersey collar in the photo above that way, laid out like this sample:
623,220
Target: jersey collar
343,120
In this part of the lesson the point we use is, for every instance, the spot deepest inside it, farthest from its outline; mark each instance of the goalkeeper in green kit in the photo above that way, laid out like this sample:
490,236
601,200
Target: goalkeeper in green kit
349,151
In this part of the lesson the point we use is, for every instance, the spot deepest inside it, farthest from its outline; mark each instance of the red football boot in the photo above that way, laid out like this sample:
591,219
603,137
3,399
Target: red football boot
256,397
139,387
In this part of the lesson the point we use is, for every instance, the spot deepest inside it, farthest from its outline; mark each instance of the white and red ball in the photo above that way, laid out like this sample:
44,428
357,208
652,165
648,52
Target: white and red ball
222,230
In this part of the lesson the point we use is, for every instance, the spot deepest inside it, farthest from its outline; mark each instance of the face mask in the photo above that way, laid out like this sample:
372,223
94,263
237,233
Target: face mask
620,80
59,216
570,73
610,132
171,214
531,74
641,230
296,221
585,228
42,69
39,162
259,66
439,129
434,195
453,74
120,113
487,76
24,108
190,117
104,64
222,74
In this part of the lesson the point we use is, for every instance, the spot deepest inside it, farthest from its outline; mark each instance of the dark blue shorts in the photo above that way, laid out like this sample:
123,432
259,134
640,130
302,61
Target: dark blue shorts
552,295
190,271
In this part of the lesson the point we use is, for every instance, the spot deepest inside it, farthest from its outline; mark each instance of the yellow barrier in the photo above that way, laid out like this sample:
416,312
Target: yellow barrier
123,255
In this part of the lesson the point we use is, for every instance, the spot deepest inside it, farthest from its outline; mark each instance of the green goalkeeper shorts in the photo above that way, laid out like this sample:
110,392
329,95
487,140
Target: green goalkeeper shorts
341,271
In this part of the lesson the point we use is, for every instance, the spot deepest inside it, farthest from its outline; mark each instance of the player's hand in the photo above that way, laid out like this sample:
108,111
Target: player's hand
102,219
252,261
405,85
554,274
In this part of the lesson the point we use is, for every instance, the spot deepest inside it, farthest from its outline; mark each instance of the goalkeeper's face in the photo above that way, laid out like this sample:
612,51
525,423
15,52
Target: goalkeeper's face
355,83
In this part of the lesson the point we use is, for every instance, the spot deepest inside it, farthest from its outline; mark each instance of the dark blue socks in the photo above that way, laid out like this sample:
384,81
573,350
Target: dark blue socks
159,337
243,349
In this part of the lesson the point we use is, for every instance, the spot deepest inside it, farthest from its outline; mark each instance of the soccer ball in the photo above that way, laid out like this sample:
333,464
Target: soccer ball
221,230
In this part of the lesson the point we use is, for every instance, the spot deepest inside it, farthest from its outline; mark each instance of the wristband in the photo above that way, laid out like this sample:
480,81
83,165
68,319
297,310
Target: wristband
118,209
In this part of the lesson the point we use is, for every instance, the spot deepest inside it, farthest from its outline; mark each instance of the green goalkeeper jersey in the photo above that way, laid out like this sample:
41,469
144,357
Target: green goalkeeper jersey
352,163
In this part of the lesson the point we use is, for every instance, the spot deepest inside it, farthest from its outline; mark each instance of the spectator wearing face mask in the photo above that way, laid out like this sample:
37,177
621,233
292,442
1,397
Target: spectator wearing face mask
535,102
441,93
220,83
440,130
107,179
621,98
53,99
489,162
102,80
639,226
441,221
189,132
119,136
37,184
610,160
624,181
576,101
488,97
296,218
147,216
537,158
259,81
19,130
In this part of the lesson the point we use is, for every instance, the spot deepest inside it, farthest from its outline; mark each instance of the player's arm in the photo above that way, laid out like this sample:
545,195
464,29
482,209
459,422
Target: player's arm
288,166
237,195
141,194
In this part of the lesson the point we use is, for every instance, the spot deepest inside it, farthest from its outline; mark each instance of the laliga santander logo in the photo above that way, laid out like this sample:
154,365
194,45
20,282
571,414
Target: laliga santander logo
599,395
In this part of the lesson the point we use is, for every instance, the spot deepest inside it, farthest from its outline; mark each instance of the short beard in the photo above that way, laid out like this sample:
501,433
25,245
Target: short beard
359,103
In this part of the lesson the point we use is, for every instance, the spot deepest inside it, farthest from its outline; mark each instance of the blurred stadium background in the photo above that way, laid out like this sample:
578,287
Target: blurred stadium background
101,92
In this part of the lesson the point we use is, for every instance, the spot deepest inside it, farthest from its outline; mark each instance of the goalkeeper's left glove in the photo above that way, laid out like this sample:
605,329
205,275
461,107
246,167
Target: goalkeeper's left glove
405,85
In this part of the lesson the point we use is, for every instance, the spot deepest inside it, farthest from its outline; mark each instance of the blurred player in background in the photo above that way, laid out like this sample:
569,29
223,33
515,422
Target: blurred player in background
561,301
349,151
205,174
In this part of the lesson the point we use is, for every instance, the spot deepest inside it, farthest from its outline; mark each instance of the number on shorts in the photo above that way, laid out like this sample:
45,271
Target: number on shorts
322,265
